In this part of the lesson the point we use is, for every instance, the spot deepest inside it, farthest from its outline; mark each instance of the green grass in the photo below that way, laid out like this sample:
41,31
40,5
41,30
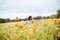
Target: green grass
45,31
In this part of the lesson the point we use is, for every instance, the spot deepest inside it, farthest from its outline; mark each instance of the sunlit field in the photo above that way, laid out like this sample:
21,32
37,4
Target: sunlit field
45,29
29,19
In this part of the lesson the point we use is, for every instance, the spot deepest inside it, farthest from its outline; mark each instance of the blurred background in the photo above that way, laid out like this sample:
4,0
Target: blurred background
9,9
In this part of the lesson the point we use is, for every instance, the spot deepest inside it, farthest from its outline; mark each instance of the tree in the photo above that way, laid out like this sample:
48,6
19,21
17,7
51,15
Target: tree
58,13
2,20
7,20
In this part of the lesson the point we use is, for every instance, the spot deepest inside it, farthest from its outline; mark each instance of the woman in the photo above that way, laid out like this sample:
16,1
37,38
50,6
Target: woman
29,21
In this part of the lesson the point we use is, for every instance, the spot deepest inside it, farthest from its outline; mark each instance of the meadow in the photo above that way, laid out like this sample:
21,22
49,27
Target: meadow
45,29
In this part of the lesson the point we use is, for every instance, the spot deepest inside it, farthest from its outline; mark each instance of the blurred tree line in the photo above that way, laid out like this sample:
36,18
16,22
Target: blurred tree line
2,20
57,15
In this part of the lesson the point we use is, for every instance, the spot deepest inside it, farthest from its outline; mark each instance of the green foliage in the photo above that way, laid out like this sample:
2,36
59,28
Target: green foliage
58,13
53,16
2,20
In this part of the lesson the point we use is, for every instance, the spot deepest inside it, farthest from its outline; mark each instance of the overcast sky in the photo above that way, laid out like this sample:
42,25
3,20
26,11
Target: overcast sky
24,8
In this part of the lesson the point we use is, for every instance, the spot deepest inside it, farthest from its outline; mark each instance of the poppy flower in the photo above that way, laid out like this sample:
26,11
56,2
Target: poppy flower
32,21
16,25
21,26
58,35
56,20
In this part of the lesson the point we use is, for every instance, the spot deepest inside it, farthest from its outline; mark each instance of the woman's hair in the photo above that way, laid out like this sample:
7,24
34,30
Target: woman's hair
30,18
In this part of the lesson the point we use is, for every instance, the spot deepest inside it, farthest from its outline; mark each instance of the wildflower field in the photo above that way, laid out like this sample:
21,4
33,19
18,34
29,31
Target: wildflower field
45,29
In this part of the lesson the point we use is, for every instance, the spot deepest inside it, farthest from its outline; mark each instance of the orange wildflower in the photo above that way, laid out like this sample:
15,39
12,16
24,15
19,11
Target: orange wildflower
35,28
16,25
17,38
56,20
32,21
21,26
58,34
16,18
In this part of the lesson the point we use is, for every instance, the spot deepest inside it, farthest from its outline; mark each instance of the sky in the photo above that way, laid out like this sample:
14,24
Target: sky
24,8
